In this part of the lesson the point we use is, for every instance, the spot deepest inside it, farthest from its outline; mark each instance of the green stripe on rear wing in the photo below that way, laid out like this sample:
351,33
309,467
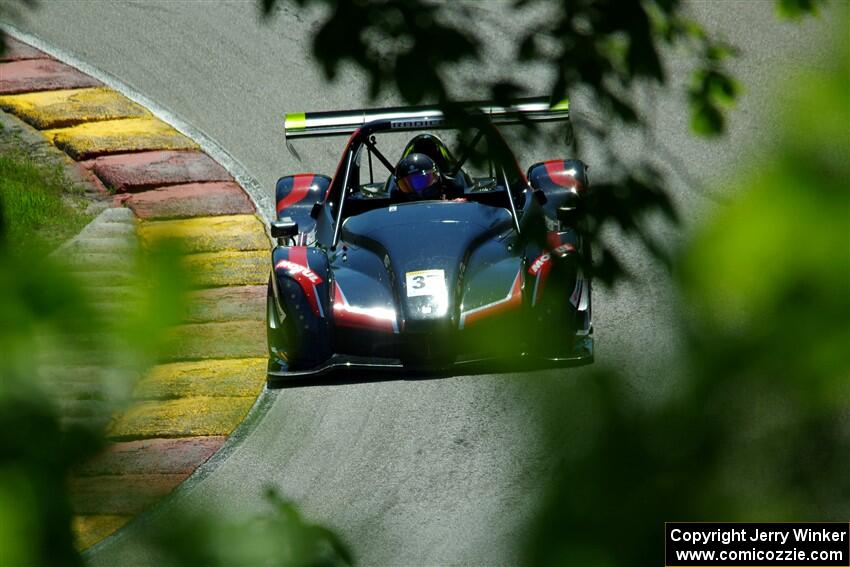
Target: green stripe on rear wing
409,118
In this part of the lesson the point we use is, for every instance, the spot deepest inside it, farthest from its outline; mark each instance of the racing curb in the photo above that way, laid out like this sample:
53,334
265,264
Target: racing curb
173,182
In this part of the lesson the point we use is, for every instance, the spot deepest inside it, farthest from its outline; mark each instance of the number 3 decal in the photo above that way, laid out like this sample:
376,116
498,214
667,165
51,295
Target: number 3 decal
425,282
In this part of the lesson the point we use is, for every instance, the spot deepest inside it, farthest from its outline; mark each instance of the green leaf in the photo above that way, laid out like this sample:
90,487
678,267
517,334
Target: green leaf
797,9
722,88
706,120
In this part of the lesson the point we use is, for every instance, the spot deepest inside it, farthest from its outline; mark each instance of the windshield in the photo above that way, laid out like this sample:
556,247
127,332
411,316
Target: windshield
467,161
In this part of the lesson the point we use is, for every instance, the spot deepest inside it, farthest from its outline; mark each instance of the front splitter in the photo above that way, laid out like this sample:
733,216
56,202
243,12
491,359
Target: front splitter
340,363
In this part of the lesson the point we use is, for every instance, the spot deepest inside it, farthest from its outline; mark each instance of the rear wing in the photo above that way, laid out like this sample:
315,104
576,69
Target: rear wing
411,118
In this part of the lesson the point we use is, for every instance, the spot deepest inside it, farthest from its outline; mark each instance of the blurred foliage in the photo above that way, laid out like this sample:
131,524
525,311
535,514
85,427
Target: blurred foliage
604,48
604,45
49,324
280,537
36,455
757,429
795,9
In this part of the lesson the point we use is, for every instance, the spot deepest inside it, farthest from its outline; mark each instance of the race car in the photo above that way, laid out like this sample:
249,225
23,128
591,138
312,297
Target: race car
427,267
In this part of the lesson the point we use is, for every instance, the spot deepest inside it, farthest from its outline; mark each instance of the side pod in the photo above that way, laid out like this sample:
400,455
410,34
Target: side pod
553,282
300,284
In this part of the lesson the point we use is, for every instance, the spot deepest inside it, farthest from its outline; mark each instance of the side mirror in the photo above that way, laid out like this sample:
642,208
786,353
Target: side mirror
284,228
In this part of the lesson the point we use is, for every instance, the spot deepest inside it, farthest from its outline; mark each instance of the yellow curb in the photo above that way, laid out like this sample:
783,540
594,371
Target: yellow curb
113,136
88,530
231,303
221,339
212,378
214,269
59,109
209,234
185,417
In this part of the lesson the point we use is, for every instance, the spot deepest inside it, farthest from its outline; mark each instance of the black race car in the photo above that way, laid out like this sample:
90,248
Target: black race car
364,277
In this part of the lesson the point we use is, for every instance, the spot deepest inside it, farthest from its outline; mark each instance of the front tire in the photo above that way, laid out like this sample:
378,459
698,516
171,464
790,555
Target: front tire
275,333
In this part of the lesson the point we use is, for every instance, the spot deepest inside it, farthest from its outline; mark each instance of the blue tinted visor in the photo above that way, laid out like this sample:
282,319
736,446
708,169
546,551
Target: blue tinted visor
420,182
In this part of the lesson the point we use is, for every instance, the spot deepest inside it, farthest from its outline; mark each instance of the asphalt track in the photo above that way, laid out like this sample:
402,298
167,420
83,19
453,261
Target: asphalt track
409,472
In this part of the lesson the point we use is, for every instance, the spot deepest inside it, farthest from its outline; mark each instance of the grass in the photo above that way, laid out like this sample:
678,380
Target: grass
39,206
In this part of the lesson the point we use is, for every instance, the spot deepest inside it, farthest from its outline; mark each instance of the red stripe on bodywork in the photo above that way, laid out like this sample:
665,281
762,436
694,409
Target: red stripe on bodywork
559,176
341,167
298,256
347,316
300,187
512,301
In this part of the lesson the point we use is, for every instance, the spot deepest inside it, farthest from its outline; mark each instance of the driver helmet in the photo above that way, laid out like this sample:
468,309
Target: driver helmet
418,178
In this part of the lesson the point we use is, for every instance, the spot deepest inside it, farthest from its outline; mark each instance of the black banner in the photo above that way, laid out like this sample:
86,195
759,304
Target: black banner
694,544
